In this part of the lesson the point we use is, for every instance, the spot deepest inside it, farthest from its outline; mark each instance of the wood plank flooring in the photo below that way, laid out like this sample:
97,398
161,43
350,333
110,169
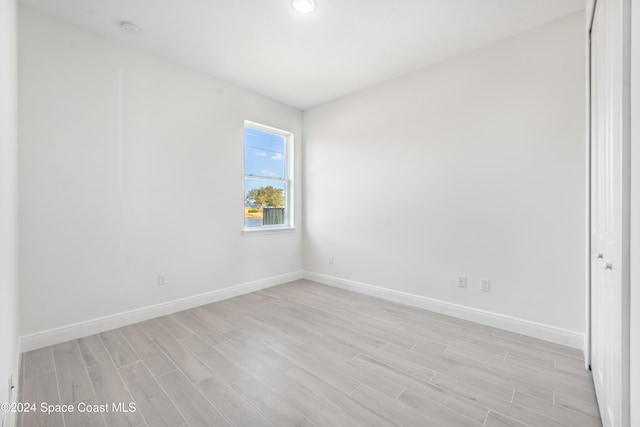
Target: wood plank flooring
304,354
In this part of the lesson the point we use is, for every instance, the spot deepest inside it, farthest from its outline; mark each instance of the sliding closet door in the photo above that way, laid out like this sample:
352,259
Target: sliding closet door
609,213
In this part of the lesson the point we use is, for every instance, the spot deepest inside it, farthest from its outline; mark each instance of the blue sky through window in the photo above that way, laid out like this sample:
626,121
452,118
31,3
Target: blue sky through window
264,156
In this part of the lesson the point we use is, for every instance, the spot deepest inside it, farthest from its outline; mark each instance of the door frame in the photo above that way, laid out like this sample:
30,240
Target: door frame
630,204
589,14
634,327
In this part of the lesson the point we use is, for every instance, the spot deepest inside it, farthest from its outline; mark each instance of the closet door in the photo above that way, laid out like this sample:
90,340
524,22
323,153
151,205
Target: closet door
609,221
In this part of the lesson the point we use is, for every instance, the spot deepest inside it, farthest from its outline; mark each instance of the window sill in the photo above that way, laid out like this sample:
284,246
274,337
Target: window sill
263,231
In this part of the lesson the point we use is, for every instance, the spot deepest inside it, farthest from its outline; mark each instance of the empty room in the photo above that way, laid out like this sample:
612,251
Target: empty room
319,213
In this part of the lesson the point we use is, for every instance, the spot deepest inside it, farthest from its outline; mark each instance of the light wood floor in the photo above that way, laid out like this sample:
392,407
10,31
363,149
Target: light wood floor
305,354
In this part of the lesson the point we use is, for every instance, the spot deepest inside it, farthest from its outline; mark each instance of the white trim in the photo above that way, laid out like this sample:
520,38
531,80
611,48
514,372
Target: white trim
634,297
101,324
586,347
266,230
94,326
521,326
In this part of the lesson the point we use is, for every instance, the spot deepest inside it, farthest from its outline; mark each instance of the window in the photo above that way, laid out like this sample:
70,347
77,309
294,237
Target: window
267,178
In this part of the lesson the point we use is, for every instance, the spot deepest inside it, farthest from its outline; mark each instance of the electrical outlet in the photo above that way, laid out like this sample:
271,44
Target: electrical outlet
462,281
330,259
162,280
485,285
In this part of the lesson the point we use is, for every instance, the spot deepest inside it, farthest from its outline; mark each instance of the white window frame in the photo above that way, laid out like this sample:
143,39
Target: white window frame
287,180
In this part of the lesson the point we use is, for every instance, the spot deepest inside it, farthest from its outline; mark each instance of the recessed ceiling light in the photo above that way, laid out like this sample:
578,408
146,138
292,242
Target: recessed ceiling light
129,28
304,6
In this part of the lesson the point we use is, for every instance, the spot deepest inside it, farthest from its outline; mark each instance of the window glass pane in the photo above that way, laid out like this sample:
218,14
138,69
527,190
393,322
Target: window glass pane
264,202
264,154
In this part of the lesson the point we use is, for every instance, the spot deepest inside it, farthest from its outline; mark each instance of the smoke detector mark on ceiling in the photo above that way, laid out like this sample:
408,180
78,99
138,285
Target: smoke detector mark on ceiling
129,28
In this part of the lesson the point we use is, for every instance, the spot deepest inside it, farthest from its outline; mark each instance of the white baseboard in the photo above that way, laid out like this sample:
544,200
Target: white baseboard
102,324
495,320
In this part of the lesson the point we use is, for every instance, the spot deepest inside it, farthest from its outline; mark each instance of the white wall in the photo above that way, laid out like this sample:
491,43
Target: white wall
474,166
8,201
131,166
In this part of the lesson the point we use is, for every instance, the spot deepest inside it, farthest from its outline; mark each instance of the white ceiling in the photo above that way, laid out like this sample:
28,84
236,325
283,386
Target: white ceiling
305,60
